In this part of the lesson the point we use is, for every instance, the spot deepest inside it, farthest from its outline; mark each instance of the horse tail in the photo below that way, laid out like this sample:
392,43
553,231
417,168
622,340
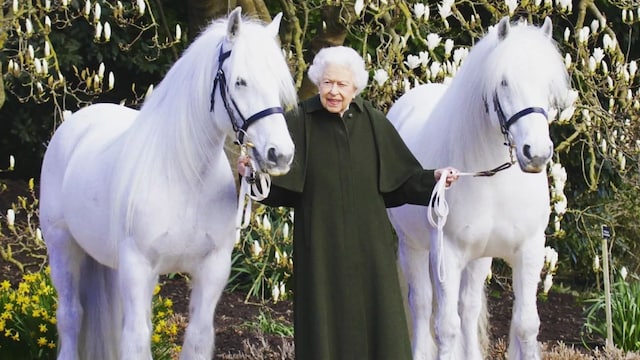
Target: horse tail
102,312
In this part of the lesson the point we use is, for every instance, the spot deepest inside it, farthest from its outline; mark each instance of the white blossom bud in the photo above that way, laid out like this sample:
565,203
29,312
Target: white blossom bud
511,6
47,22
567,33
107,31
141,6
101,70
97,11
448,46
275,293
12,162
380,76
178,32
633,68
285,230
595,24
30,52
98,33
112,80
87,8
38,66
15,6
548,281
623,273
11,217
256,249
358,6
433,40
28,27
596,263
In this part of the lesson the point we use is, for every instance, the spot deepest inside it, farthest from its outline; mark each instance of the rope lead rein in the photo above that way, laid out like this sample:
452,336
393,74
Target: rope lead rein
249,191
439,210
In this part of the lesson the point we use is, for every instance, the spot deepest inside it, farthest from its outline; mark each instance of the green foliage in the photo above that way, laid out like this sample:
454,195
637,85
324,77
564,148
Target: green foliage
625,313
266,324
262,260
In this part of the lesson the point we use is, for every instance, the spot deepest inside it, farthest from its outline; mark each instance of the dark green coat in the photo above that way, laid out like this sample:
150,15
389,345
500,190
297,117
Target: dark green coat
346,171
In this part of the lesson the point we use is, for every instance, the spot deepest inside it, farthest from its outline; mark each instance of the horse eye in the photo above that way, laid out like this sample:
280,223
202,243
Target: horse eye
241,82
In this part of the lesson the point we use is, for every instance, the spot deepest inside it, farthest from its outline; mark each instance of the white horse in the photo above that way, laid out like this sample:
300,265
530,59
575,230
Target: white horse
500,96
128,195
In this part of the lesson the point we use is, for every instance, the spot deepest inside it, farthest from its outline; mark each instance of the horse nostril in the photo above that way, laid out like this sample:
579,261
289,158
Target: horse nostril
526,150
271,155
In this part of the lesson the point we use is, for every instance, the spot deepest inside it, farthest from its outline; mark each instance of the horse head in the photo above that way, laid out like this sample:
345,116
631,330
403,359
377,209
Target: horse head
527,80
252,85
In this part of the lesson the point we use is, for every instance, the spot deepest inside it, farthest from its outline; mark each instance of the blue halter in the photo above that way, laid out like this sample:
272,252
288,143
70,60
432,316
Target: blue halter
239,127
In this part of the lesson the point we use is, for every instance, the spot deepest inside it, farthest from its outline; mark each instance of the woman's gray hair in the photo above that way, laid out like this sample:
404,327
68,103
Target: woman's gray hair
342,56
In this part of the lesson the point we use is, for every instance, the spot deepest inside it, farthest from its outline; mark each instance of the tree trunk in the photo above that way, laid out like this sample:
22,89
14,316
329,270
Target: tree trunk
3,35
201,12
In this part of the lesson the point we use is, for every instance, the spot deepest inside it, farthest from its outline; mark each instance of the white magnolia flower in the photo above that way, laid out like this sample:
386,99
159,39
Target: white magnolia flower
624,273
87,7
550,257
142,6
98,33
598,54
275,293
178,32
380,76
433,40
358,7
424,58
596,263
38,234
622,160
418,10
256,249
15,6
546,285
285,230
28,27
107,31
511,5
101,70
448,46
595,25
608,43
47,21
633,68
12,162
47,49
266,224
30,52
592,64
459,54
412,61
560,206
112,80
11,217
567,33
97,11
583,35
567,61
566,114
435,69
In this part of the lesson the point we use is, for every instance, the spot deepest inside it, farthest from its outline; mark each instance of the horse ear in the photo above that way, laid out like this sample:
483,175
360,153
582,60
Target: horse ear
547,27
274,27
503,28
234,23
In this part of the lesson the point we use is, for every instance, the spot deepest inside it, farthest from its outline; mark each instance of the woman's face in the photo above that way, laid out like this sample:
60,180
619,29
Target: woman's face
336,88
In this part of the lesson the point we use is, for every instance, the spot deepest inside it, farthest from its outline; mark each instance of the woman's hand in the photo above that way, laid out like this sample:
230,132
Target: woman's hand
244,165
452,175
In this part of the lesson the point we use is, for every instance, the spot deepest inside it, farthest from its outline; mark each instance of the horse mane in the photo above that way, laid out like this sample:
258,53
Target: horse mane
526,59
176,136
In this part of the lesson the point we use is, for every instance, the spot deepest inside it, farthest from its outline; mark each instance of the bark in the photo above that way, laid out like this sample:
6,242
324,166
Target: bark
201,12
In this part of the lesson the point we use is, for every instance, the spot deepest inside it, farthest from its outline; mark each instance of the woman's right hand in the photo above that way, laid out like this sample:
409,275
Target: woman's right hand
243,165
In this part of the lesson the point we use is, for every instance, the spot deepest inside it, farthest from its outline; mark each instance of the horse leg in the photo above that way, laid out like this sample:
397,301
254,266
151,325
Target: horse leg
207,286
523,342
445,276
65,260
415,267
473,309
136,280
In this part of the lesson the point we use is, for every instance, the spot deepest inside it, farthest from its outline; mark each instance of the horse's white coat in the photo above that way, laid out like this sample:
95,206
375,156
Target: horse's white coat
128,195
502,216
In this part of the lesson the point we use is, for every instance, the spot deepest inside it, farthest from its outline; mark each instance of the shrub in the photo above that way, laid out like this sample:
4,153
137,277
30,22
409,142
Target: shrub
625,314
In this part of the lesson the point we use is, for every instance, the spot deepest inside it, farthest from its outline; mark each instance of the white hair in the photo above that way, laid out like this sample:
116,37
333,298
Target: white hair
343,56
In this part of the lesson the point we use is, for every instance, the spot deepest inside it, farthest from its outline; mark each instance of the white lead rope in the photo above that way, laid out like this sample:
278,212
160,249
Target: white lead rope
438,210
249,191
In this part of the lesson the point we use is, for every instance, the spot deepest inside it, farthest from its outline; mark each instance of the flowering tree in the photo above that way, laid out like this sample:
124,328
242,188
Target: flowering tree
594,173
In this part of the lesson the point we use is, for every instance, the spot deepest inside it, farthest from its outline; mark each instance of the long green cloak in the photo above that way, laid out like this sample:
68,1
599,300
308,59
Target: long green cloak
346,171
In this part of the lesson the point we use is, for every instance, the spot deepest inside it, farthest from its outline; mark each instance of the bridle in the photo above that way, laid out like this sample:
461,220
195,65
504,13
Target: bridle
239,127
249,189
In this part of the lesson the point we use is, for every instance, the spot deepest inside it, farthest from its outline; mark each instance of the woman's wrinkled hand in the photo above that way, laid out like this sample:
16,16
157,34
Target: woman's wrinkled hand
244,165
451,173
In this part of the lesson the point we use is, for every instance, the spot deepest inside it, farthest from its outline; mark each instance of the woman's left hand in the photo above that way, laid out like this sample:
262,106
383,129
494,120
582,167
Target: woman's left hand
451,173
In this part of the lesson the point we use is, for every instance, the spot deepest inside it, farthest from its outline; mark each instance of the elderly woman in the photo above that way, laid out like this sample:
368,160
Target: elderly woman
350,165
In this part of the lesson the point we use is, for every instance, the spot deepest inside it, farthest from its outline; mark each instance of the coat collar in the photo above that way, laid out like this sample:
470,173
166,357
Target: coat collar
314,104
